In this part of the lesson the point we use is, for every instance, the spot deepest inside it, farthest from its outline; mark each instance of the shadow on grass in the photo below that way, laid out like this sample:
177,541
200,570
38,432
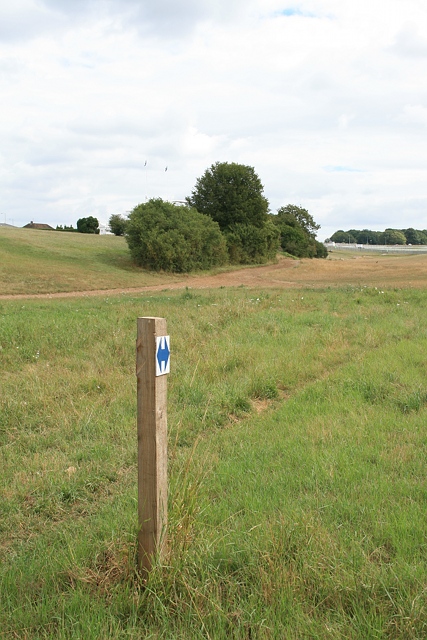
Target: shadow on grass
122,262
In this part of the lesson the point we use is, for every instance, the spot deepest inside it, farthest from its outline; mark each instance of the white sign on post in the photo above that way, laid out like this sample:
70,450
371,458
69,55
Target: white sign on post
162,355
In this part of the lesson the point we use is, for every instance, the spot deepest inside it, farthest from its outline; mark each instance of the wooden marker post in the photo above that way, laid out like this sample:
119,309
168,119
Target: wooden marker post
152,363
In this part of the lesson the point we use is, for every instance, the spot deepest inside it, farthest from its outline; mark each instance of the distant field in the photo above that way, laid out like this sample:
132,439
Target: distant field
38,262
297,454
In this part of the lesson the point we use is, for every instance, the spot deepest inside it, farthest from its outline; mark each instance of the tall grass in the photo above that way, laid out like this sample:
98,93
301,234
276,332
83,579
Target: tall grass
297,467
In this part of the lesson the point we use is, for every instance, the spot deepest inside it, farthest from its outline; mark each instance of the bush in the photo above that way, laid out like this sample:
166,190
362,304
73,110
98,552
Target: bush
321,250
117,224
88,225
248,244
164,236
297,232
295,241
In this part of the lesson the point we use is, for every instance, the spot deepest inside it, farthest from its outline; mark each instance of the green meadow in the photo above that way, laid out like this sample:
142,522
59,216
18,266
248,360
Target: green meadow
297,466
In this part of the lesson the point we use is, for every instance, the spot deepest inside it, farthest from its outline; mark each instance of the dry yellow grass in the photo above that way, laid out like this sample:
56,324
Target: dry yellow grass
372,270
337,270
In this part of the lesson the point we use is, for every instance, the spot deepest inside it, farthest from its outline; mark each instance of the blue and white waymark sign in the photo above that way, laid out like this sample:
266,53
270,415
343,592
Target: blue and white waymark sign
162,355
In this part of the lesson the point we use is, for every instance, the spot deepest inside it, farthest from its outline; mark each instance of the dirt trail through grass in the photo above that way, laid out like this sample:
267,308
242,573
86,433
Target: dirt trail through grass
337,270
249,277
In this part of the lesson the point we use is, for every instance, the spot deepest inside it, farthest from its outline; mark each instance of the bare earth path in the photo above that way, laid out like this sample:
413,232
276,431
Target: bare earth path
371,270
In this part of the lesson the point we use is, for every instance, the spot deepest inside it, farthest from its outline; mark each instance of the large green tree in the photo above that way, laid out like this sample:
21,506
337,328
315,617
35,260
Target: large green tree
343,236
297,232
393,236
232,195
167,237
294,215
368,237
413,236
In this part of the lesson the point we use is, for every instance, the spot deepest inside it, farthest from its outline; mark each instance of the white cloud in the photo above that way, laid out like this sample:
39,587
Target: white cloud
23,19
327,99
409,42
414,114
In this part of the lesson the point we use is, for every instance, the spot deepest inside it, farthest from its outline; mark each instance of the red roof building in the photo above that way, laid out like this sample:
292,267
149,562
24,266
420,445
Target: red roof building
38,225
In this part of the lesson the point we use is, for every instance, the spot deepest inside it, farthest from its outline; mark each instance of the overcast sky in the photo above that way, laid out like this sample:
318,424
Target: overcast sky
326,99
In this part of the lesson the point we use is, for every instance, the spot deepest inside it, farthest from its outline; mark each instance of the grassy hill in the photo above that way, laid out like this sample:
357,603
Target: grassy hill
33,261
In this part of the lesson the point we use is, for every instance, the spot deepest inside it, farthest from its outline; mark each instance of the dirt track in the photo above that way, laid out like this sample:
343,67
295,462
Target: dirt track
372,270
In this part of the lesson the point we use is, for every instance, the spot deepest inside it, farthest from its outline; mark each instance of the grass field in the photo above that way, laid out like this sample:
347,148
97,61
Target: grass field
297,465
53,262
33,261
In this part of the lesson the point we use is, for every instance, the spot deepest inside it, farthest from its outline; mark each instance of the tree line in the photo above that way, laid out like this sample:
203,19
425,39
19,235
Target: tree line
389,236
226,219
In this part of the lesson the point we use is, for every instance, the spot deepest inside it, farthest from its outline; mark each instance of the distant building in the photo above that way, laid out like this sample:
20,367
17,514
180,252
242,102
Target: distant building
104,230
38,225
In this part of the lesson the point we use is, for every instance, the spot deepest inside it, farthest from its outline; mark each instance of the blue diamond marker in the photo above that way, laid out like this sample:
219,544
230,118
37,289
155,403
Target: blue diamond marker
162,355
